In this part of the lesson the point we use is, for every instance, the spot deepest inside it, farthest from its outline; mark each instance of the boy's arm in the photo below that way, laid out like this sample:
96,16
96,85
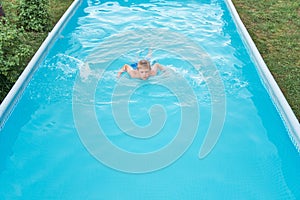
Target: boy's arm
155,67
149,55
160,67
129,70
123,69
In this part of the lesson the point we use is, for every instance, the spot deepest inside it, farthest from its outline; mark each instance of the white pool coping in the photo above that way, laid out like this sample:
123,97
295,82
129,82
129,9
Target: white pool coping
12,97
281,103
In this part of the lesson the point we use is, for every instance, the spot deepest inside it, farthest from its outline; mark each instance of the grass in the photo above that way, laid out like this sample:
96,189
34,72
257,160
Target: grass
57,8
274,26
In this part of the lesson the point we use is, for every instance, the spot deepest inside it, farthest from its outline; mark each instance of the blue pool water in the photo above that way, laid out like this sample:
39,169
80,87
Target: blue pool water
206,128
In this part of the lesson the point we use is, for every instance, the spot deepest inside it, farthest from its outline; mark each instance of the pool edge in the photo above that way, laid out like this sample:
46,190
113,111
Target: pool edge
12,97
283,107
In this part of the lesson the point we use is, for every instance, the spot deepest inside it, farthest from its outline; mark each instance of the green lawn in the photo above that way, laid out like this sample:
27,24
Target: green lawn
273,25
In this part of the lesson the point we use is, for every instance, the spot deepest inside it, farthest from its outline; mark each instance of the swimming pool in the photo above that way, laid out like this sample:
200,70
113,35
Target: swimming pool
211,126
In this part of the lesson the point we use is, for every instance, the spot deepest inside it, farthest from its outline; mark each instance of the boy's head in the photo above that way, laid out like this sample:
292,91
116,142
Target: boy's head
144,69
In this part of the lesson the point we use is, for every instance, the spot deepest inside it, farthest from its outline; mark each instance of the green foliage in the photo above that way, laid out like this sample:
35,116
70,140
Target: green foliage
18,44
13,52
13,55
33,15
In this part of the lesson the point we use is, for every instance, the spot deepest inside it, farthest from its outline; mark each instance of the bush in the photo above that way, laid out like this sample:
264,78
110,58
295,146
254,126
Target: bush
13,53
17,45
34,16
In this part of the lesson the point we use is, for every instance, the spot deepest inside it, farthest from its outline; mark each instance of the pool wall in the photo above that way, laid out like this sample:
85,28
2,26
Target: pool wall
284,109
273,89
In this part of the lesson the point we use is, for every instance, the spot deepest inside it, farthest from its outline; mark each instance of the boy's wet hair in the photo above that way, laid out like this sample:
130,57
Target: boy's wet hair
144,64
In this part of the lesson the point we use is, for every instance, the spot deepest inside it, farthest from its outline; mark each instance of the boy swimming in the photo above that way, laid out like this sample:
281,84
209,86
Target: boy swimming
141,70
